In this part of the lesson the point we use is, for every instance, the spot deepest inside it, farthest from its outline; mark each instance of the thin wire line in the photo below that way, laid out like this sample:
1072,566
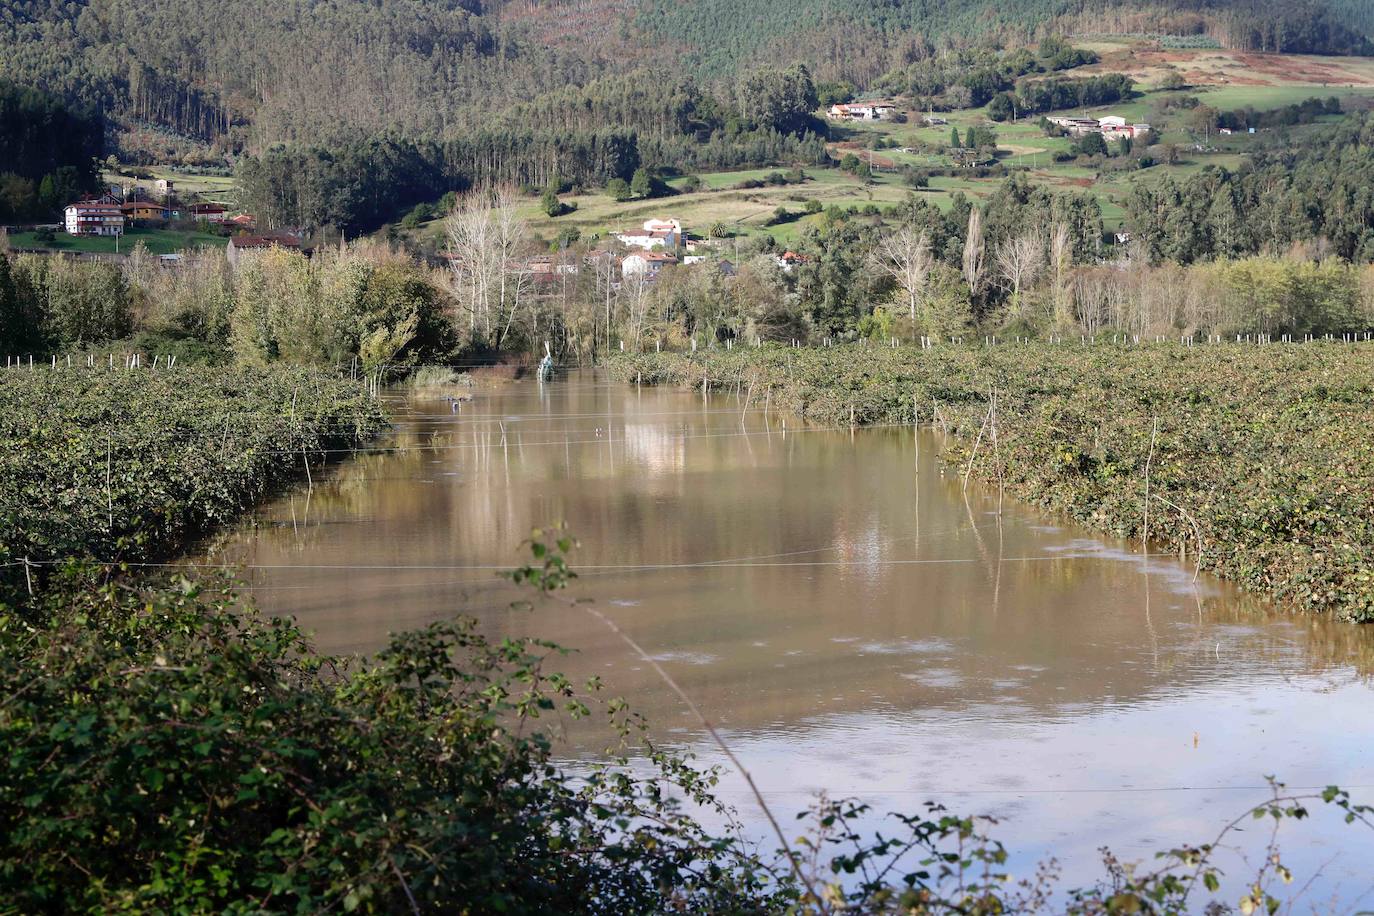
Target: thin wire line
627,567
385,449
446,420
1108,790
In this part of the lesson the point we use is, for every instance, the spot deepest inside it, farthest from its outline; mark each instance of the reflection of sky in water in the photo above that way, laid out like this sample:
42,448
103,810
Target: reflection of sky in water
852,622
1063,785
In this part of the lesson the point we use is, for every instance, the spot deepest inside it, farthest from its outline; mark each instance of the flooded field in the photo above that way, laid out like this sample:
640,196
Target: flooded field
853,620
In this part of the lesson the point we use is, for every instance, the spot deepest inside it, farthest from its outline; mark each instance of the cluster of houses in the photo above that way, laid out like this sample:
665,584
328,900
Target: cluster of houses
861,111
122,207
659,243
1110,127
647,250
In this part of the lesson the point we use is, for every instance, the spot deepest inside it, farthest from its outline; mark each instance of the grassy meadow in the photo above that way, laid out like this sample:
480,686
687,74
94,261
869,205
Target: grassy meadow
157,241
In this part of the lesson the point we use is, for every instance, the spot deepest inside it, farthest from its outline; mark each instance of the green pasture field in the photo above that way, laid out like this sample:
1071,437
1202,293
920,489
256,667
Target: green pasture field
157,241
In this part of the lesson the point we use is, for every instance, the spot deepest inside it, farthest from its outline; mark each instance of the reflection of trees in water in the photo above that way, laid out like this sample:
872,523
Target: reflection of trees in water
669,482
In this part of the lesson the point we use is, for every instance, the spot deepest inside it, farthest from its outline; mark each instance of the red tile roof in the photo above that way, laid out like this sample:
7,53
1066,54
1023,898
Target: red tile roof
264,241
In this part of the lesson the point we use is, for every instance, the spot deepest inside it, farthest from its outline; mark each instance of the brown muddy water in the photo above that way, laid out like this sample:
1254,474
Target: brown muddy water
852,620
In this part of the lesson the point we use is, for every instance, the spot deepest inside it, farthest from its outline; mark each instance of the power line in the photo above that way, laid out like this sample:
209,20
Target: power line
620,567
1105,790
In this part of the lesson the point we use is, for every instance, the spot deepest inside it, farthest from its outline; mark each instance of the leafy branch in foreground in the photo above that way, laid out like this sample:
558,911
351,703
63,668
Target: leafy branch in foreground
168,749
181,753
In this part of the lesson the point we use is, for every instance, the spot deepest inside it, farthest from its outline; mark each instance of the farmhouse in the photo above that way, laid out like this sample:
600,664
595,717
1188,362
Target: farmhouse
165,187
209,213
647,263
1076,126
143,211
549,266
1111,127
92,217
655,233
860,111
241,246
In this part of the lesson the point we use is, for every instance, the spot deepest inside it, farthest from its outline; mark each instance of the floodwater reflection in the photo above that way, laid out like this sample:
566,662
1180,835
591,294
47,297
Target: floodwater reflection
852,619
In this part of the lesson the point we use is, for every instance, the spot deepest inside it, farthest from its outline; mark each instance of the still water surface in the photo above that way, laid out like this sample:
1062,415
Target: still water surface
849,616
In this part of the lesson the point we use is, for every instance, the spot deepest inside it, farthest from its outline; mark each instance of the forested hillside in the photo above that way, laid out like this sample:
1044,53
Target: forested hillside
860,39
47,151
1356,14
346,113
254,72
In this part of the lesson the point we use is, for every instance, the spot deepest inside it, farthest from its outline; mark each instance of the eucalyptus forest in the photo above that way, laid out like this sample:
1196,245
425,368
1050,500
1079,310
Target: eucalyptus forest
646,456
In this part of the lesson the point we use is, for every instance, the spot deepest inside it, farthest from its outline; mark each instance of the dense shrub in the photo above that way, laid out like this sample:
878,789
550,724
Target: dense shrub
126,465
182,754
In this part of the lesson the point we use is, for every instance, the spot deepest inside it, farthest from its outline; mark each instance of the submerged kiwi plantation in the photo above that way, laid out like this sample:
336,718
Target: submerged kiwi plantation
686,456
168,747
1248,460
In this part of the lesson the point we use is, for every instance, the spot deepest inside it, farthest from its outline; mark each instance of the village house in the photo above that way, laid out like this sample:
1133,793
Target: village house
655,233
209,213
646,263
241,246
243,221
548,271
789,260
94,217
1075,126
1111,127
145,211
860,111
165,188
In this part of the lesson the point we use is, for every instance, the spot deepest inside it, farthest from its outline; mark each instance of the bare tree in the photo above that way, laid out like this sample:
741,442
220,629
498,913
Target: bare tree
905,257
1061,262
607,276
1019,261
636,288
975,252
484,238
514,275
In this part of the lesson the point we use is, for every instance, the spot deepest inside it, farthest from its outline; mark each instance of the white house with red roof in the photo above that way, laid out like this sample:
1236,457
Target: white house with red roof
860,111
94,217
655,233
647,263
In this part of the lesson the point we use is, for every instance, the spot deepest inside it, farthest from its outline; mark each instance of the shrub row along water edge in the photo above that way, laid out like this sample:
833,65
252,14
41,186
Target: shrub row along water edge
128,466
